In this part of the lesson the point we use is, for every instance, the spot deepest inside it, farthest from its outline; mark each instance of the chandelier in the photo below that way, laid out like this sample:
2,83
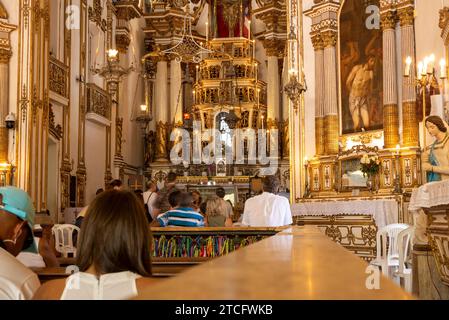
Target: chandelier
187,49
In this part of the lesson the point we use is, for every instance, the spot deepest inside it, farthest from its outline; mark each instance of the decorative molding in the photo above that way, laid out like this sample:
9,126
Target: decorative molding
95,15
54,129
59,77
329,38
388,20
98,101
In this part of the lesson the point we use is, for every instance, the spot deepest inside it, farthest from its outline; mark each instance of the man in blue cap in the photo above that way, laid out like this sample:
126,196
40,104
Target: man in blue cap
17,282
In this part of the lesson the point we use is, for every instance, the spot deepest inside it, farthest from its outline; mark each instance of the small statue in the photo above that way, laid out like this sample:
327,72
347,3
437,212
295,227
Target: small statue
435,159
150,144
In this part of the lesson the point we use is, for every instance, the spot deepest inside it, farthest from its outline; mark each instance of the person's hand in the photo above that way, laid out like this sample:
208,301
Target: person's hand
426,167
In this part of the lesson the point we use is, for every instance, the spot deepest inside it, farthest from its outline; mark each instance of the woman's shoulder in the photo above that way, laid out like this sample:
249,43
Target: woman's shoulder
50,290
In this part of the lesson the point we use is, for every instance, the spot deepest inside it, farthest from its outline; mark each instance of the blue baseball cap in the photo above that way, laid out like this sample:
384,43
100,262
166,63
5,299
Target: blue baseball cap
18,202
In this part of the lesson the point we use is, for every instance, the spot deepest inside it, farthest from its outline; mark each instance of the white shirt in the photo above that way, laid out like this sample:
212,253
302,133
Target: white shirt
32,260
267,210
111,286
149,198
17,282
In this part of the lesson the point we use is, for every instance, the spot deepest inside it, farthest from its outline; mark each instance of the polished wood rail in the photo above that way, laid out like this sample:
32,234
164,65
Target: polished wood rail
296,263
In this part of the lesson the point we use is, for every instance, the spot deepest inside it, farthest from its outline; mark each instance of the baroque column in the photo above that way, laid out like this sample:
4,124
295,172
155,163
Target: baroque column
175,92
272,50
330,98
410,131
162,110
318,45
390,103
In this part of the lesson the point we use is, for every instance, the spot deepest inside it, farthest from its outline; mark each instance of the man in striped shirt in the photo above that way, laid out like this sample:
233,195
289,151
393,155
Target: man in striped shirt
182,214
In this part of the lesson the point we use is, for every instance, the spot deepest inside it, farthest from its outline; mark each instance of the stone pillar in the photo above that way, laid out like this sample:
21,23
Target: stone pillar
390,103
319,93
273,89
4,93
161,110
176,101
330,97
410,127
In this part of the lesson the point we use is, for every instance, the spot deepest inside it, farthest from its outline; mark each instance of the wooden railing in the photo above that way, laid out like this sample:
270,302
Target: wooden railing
59,77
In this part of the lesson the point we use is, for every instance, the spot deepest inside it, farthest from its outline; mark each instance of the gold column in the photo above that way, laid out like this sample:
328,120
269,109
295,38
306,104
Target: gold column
5,55
318,45
390,103
331,131
410,127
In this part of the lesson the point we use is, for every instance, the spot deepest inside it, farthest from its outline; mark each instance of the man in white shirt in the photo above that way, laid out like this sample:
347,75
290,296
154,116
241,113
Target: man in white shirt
267,209
17,282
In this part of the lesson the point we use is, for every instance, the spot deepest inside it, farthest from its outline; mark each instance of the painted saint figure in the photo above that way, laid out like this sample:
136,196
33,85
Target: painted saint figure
435,159
360,86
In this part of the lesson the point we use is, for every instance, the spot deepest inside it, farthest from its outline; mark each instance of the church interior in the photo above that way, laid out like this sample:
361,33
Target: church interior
320,124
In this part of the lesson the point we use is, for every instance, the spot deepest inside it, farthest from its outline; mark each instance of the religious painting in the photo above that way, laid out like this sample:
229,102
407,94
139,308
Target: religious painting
230,18
361,74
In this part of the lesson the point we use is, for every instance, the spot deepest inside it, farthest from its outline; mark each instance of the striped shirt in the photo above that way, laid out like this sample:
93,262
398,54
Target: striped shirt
181,217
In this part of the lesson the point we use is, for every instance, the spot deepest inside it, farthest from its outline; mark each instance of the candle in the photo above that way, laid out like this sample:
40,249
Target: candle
420,70
431,64
398,148
197,70
207,32
408,63
256,73
249,30
306,160
254,50
425,66
443,70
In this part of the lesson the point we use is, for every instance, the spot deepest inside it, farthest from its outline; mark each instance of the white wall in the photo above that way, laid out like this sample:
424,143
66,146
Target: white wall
95,158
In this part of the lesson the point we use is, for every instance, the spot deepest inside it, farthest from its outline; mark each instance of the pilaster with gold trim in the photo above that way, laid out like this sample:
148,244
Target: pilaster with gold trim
390,96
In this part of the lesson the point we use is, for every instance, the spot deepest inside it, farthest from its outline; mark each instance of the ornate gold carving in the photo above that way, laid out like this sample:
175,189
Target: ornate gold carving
391,125
26,12
5,55
363,137
410,125
285,140
444,18
95,15
388,20
3,13
317,41
355,233
331,133
54,129
319,135
59,74
98,101
122,42
80,186
329,38
118,136
127,10
274,47
406,16
161,141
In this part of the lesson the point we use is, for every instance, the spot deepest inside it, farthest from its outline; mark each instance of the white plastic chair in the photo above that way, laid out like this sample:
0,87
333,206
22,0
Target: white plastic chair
404,247
64,238
388,256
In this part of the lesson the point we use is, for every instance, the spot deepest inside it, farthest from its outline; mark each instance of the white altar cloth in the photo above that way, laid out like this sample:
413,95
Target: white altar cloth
431,194
384,211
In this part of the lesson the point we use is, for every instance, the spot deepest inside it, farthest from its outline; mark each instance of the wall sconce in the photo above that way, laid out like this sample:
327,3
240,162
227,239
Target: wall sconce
294,89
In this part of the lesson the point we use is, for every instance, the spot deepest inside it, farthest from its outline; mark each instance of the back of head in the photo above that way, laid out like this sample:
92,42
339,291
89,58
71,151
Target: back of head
215,206
115,236
220,192
185,200
271,184
115,184
174,198
171,177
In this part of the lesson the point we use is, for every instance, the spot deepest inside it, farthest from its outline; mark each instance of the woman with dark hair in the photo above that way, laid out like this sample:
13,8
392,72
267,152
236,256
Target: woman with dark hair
113,254
435,159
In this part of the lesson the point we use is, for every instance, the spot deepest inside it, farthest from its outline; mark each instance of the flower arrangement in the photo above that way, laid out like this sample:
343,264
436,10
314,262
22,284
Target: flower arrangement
370,165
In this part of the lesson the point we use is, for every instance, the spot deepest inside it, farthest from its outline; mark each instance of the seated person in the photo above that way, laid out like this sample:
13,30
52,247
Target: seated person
217,214
221,193
17,282
267,209
46,256
197,200
183,215
113,252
